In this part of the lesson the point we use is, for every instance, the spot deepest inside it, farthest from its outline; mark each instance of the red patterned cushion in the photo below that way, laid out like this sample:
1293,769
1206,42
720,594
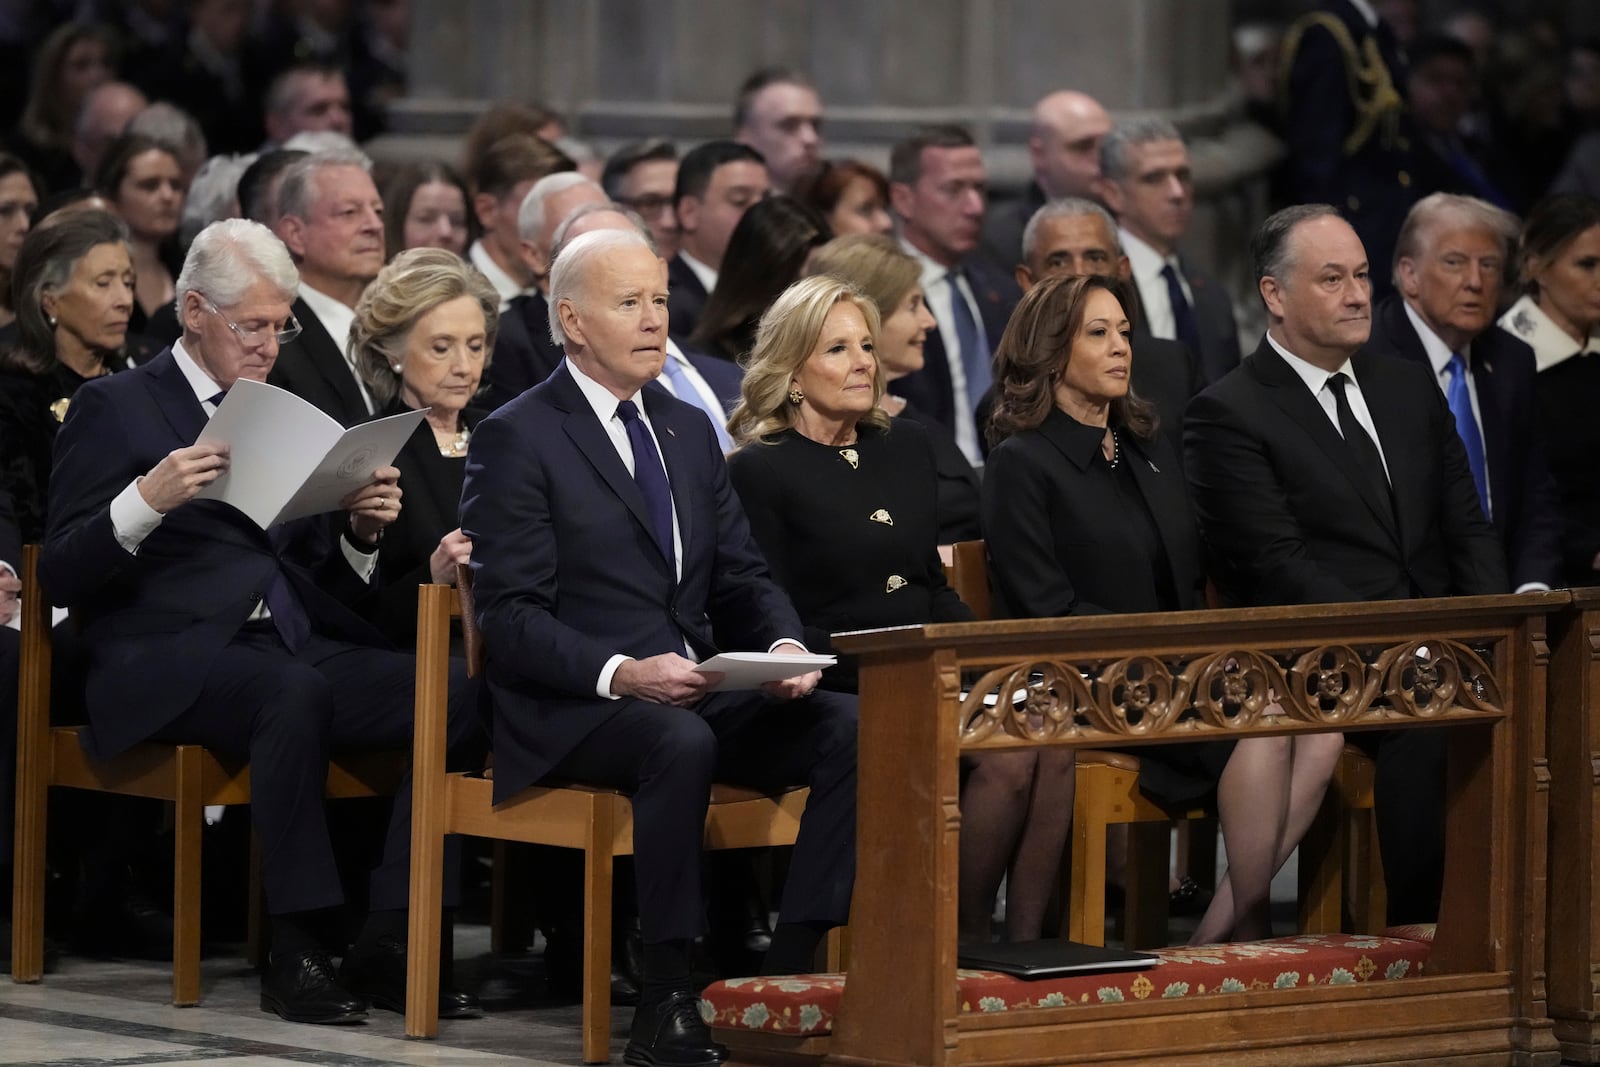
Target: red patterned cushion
1413,931
802,1005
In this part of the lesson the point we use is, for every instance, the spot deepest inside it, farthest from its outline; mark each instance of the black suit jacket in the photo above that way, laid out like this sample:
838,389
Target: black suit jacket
154,621
1005,222
686,299
567,573
930,388
1219,332
313,367
1527,514
1289,519
524,354
1057,529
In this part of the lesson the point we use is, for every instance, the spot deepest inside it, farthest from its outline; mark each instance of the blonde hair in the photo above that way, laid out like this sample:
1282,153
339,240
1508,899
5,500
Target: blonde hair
784,342
411,285
874,263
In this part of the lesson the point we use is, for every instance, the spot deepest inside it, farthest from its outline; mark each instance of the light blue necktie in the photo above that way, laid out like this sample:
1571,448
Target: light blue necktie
685,391
974,346
1460,400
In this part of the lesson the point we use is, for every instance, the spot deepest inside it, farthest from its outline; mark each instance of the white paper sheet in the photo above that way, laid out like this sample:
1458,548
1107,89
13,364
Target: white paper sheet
15,622
749,670
287,459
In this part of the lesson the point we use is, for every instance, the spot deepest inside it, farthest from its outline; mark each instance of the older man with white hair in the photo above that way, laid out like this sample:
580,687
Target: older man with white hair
235,637
610,554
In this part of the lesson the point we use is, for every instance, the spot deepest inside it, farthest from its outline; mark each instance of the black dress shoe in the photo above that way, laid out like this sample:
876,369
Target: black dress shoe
670,1033
376,969
300,987
1188,899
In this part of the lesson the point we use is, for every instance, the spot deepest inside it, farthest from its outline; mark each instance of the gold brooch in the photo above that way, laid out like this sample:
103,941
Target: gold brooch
59,408
882,516
894,582
852,457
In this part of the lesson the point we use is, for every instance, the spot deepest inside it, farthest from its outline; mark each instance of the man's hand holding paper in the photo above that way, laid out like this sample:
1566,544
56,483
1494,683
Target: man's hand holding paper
183,474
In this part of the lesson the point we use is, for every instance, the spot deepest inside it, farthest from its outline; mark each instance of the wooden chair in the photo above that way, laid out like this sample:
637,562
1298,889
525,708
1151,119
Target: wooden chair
1339,858
187,776
597,820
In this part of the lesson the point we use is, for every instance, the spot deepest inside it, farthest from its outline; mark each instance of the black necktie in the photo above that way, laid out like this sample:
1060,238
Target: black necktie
1184,325
1361,445
651,477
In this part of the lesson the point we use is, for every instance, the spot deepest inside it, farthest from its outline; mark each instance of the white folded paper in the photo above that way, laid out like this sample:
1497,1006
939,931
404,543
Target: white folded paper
750,670
287,459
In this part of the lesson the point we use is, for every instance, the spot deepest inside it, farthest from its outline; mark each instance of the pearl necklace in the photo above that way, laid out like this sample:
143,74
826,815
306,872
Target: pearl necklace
1116,451
456,447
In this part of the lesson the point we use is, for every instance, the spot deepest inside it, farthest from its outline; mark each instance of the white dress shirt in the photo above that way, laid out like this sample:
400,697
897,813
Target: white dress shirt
1550,343
1146,263
337,318
1316,380
937,292
504,284
707,276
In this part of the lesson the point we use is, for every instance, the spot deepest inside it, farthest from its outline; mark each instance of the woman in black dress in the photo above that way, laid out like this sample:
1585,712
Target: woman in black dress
143,181
1086,511
422,336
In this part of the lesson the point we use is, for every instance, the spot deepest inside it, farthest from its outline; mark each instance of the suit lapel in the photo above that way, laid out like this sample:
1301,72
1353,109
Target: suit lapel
1289,392
1166,507
174,397
1496,449
1393,421
675,457
327,356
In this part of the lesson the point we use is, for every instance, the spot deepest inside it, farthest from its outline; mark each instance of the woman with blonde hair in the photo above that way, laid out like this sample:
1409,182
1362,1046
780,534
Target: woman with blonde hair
892,280
422,336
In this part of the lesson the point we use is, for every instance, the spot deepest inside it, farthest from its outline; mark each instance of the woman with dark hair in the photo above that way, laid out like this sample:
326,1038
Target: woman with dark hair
19,203
143,181
75,59
852,196
1559,316
425,206
73,291
766,252
1086,511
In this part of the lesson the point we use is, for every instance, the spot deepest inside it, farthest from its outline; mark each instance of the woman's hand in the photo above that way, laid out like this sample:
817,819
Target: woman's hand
454,548
375,505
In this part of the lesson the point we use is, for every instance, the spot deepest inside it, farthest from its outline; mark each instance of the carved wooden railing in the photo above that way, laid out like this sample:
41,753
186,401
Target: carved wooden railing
1472,666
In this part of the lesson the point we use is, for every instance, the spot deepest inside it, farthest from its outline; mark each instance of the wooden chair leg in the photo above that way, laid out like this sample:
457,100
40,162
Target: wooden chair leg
256,943
597,870
1322,858
1086,913
1145,893
1368,895
33,780
428,812
499,905
836,950
187,822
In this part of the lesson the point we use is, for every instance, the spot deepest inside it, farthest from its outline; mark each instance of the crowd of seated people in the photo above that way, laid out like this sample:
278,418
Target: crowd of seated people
738,396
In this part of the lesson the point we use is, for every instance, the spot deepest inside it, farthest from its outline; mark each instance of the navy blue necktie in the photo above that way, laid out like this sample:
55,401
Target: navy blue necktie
1184,325
651,477
1460,399
288,616
974,346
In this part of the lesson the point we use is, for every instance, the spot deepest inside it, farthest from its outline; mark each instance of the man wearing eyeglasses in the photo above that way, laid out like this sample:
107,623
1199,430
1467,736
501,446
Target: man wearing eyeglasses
205,629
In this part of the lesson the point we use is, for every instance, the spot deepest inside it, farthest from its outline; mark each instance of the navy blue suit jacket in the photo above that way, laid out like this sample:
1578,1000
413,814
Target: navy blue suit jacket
155,621
686,299
567,573
1527,513
524,354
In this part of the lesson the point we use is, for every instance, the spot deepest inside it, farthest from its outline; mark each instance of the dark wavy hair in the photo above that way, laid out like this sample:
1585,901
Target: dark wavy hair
403,184
1036,348
1553,224
44,264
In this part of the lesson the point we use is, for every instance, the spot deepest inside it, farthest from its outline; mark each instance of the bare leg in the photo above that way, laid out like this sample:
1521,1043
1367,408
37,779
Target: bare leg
1036,868
994,805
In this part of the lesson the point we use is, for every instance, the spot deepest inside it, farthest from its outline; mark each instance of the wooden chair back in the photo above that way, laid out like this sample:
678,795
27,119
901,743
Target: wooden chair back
464,608
968,575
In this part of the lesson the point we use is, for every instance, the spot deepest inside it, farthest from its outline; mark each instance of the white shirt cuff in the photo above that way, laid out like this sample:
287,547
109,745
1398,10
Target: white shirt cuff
9,569
1533,587
132,520
801,645
603,686
363,563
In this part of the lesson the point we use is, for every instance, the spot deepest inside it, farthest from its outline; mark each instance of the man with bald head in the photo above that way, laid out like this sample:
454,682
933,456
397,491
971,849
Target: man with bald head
1325,472
610,552
1064,147
105,114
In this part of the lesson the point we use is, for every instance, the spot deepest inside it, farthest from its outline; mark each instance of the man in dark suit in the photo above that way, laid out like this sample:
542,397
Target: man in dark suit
609,549
1146,182
1064,148
331,219
1450,261
937,187
717,182
1326,473
1076,236
235,637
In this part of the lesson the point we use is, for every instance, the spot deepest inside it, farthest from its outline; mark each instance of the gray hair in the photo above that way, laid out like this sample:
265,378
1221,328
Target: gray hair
568,270
1427,214
530,216
1067,207
612,207
295,192
173,127
211,194
1114,150
1269,245
326,143
230,256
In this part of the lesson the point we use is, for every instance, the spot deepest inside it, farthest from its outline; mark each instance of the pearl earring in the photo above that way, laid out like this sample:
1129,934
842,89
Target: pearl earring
395,367
52,319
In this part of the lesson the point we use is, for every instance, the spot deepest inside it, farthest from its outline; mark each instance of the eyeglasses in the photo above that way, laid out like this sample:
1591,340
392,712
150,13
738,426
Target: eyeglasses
259,335
653,204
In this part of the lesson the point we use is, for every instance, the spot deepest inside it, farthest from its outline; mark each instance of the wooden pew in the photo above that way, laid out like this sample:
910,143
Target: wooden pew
1401,665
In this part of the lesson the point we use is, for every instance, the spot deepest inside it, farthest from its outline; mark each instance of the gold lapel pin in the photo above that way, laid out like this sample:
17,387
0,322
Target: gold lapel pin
852,457
882,516
894,582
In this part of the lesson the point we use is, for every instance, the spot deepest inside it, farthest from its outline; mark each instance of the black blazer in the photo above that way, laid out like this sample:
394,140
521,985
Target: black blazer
958,478
1057,529
1289,519
930,388
686,299
313,367
524,354
155,621
1527,513
567,573
1219,332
